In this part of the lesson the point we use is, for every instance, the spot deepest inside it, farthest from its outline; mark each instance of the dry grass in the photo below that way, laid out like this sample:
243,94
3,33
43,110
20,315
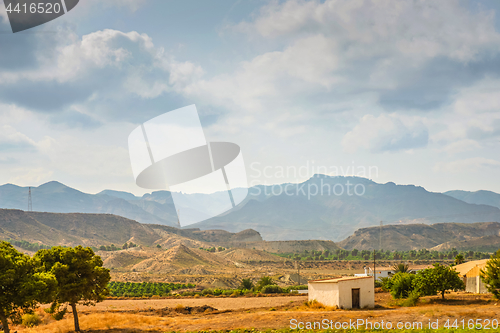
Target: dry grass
316,306
270,316
104,321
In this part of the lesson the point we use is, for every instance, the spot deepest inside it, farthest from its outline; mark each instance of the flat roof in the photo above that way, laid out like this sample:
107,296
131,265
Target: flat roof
464,268
342,279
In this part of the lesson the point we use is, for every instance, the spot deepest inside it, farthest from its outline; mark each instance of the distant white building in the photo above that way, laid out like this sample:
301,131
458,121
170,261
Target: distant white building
380,272
383,272
345,293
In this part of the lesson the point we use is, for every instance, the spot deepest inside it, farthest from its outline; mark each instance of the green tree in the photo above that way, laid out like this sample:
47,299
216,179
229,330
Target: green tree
491,275
246,284
401,268
125,246
459,259
438,279
401,285
264,281
79,274
21,286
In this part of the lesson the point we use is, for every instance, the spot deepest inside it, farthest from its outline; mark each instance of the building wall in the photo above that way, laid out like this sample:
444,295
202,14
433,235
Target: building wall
340,293
473,281
325,293
366,293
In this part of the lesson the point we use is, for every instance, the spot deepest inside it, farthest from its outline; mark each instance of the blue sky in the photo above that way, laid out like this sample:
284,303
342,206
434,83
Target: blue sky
411,88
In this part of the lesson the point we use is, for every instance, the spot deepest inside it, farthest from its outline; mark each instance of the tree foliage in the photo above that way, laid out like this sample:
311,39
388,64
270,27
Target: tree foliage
21,286
491,275
79,274
401,268
246,284
264,281
459,259
401,285
436,280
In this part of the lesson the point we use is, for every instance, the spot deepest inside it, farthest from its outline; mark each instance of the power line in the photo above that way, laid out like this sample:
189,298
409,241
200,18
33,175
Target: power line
30,203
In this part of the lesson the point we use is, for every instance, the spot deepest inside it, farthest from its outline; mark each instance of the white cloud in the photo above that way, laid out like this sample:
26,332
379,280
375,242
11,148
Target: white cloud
474,164
369,27
12,140
386,133
474,114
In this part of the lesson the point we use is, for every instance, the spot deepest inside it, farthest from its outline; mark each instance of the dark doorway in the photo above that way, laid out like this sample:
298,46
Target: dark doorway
355,298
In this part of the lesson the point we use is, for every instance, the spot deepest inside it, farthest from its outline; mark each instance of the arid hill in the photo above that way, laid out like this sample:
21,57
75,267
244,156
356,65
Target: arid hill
73,229
418,236
483,244
286,246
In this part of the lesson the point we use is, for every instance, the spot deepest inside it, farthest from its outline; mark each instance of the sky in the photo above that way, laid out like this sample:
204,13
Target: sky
401,91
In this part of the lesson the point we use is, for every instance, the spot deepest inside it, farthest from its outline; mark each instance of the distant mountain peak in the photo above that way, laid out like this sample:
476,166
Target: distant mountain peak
53,184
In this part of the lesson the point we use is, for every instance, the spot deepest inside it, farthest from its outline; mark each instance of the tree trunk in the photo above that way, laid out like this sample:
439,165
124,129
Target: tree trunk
5,324
75,317
442,294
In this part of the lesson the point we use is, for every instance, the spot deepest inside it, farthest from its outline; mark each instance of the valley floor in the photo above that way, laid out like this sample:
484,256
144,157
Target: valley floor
261,313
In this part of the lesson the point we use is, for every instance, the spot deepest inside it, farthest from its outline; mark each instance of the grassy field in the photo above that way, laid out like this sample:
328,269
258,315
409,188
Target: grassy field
272,314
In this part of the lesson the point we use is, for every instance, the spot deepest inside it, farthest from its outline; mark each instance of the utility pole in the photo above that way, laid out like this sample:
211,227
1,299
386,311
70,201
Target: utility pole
30,204
297,265
380,236
374,273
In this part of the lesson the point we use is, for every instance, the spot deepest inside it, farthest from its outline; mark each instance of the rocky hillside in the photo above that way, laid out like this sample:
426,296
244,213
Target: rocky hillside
418,236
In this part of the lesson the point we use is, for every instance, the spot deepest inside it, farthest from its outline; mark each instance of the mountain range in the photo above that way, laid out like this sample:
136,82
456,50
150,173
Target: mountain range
281,216
301,212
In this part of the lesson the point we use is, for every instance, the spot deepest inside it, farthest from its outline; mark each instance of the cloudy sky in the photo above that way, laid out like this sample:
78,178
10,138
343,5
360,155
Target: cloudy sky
409,87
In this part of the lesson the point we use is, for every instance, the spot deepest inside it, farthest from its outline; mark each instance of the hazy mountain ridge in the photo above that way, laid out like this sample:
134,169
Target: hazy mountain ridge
276,216
335,217
479,197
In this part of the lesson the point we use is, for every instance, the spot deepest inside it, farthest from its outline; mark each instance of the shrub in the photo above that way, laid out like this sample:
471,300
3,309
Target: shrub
386,283
246,284
207,292
264,281
271,289
30,319
491,275
402,285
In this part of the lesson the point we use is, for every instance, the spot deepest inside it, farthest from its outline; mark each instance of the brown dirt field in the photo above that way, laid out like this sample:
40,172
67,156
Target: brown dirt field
237,303
260,313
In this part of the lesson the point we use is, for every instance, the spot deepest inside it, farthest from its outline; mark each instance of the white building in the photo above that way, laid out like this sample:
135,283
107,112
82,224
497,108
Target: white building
345,293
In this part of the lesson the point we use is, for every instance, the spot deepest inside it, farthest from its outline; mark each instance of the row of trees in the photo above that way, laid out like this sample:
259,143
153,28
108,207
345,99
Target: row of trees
27,245
61,276
439,279
355,254
213,249
144,289
426,282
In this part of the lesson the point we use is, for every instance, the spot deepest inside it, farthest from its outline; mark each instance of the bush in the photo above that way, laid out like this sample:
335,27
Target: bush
386,283
412,299
402,285
236,293
30,319
491,275
271,289
207,292
264,281
246,284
